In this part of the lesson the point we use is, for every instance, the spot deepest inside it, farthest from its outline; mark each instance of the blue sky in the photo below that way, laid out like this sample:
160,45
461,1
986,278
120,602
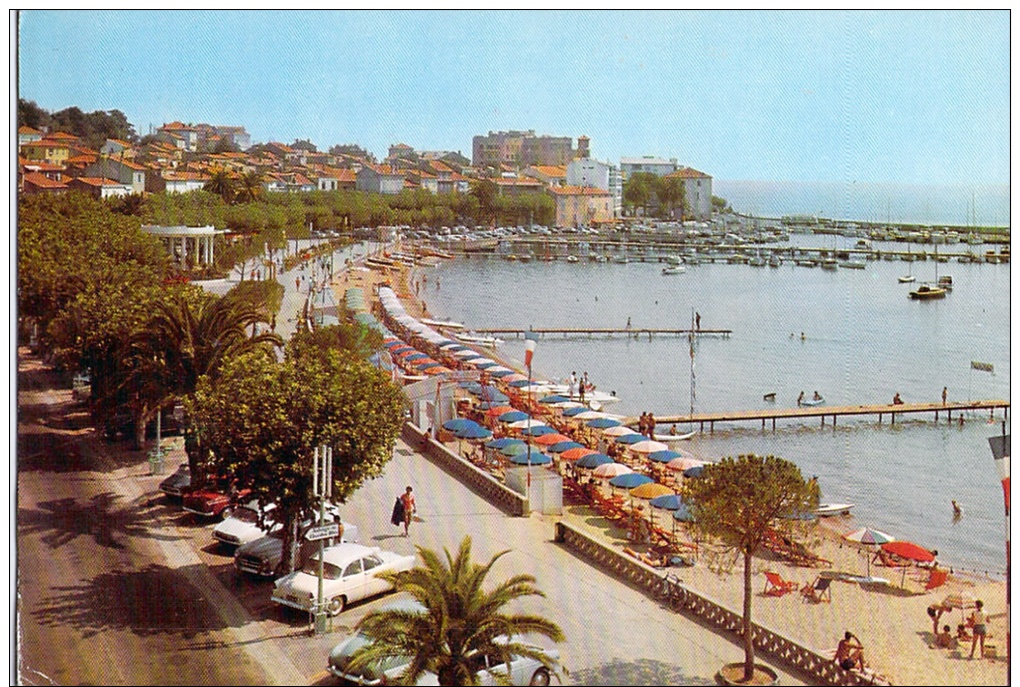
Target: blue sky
912,97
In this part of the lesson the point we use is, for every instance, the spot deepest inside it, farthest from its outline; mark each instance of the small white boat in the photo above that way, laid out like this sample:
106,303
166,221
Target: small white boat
489,341
812,401
666,438
906,279
449,324
673,269
825,510
572,258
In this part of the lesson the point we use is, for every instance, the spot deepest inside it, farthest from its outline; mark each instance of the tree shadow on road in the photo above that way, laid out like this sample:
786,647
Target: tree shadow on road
62,521
643,671
151,601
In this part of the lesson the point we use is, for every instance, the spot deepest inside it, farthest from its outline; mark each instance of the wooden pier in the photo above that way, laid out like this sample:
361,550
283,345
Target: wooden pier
633,332
879,410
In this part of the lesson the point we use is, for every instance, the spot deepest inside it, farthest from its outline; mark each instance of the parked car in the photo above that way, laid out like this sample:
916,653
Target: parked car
213,500
351,572
242,526
262,556
176,484
490,671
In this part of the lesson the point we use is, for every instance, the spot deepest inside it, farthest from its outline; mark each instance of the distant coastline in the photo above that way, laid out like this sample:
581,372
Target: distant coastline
979,205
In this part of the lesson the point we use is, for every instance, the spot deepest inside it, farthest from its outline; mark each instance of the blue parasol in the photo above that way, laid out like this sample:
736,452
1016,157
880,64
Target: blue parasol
538,430
502,442
630,438
500,373
513,416
664,456
482,364
630,480
415,356
694,471
519,383
459,423
571,412
603,423
593,460
562,446
537,458
475,432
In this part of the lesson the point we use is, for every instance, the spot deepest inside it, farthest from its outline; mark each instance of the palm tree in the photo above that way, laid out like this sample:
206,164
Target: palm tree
220,183
249,187
460,622
189,335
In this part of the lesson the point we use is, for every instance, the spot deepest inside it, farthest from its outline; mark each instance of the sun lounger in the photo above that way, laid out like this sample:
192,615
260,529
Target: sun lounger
819,591
775,585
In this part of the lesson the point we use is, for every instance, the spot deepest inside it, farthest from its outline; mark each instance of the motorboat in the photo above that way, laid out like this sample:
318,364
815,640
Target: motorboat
813,401
673,269
906,279
488,341
449,324
945,282
572,258
825,510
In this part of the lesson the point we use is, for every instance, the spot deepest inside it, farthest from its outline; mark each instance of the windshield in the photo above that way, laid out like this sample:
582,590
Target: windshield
246,515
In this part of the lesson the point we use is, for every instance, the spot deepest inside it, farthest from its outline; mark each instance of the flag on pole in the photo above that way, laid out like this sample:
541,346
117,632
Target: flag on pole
530,342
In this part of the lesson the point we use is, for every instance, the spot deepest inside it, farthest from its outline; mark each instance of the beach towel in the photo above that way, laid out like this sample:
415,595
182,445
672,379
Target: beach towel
397,518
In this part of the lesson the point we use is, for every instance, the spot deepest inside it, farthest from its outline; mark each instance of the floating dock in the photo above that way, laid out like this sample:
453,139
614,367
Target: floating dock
878,410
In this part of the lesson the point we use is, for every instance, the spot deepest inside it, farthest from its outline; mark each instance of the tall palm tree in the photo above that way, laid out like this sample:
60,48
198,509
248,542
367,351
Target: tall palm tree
189,335
249,187
221,183
461,620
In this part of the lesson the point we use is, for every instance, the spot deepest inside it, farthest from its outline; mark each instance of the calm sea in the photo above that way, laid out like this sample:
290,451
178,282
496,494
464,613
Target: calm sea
936,205
864,340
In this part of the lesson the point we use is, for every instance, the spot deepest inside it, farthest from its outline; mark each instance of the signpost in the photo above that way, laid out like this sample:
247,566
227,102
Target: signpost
320,532
322,486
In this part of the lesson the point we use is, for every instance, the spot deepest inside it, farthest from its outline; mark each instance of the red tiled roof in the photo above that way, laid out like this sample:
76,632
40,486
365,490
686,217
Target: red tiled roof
25,129
551,170
577,191
98,181
42,181
63,135
177,126
688,173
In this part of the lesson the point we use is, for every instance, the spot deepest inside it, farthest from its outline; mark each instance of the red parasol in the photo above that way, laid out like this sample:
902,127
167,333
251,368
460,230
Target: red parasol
909,550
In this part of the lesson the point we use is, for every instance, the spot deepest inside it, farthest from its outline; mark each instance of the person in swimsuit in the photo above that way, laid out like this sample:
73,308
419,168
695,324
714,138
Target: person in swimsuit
850,652
979,622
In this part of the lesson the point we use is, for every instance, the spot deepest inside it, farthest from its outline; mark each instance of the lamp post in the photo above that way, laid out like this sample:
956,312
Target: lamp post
322,486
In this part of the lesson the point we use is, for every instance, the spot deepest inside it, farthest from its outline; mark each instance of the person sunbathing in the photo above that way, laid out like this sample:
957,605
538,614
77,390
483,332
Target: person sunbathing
945,639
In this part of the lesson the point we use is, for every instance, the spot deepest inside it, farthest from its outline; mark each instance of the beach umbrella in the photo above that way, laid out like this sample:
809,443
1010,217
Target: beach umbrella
650,490
518,383
664,456
436,370
866,535
513,416
961,600
538,430
513,449
551,438
523,424
476,432
498,374
683,463
536,458
427,363
501,368
466,353
630,480
553,398
493,395
564,405
593,460
515,377
502,442
669,501
618,430
574,411
908,550
648,446
459,423
576,453
694,471
590,414
564,446
632,438
482,362
452,346
602,423
612,470
415,356
390,344
488,405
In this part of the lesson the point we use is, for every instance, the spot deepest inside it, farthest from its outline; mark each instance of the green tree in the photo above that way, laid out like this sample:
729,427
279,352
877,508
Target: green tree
250,188
261,421
222,184
743,501
356,339
638,190
461,620
670,192
487,195
190,335
720,204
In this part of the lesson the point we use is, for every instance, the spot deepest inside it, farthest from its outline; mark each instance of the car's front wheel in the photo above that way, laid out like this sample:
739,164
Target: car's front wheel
337,605
540,678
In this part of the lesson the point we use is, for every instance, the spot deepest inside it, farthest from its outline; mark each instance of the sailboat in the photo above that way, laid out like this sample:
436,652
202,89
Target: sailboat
909,276
927,292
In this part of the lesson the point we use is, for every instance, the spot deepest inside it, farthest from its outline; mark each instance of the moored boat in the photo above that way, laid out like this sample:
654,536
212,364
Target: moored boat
927,292
828,509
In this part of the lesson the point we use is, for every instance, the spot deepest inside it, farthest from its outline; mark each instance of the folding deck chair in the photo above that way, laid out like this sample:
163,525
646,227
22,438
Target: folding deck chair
819,591
775,585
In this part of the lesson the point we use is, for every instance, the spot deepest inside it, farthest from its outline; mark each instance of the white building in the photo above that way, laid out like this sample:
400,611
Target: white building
589,173
656,165
188,246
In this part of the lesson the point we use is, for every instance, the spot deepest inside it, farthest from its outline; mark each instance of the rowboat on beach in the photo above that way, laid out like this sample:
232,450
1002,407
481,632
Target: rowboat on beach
449,324
828,509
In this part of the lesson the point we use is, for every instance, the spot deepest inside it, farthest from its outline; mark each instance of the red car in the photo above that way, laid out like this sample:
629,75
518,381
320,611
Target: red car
213,500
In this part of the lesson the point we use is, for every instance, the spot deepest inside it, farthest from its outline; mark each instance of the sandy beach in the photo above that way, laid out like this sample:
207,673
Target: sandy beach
891,620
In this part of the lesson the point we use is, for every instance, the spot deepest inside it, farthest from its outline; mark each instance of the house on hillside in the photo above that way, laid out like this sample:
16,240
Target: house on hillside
379,179
36,182
99,188
581,206
123,171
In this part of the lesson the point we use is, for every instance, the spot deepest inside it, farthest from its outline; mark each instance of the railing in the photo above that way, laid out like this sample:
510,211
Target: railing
497,493
821,668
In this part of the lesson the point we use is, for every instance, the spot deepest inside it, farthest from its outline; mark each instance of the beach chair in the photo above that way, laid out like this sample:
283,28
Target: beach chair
936,578
775,585
819,591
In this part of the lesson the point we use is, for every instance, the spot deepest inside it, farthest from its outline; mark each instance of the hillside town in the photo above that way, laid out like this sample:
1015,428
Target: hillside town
178,158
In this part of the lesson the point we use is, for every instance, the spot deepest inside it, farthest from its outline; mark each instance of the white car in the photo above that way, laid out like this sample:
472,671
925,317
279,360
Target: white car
262,556
350,573
241,526
490,671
